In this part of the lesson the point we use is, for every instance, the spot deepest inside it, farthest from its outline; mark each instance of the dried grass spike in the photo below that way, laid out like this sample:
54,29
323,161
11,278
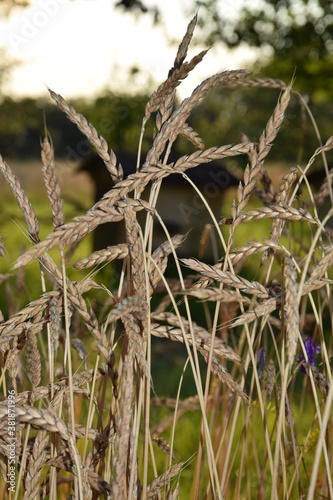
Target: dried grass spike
72,232
163,445
22,200
107,254
174,494
87,491
2,247
208,155
282,199
274,124
270,378
160,257
320,380
278,212
184,45
263,309
36,463
123,423
51,183
266,83
90,132
220,371
34,367
128,306
202,338
217,294
168,87
136,251
81,350
291,308
322,266
54,322
227,277
181,115
161,481
192,136
253,247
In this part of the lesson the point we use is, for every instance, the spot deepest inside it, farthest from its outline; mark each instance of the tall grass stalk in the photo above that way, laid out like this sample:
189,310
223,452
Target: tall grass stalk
169,377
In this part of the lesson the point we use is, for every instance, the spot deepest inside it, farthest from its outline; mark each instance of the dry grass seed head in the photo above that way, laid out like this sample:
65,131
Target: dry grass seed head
22,200
274,124
163,445
160,257
263,309
319,378
282,199
2,247
161,481
291,308
323,265
267,83
228,278
123,425
101,213
133,234
270,378
178,72
90,132
103,256
81,350
36,463
202,339
33,360
51,183
54,322
167,87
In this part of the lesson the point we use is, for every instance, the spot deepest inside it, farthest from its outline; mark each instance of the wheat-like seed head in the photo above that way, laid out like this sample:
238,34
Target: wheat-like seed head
161,481
36,463
291,309
123,424
22,200
33,359
51,183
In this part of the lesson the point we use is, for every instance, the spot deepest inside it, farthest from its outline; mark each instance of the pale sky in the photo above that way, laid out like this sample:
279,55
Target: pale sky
78,48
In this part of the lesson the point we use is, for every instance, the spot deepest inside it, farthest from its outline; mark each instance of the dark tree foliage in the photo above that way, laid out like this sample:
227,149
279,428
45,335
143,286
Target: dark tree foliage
138,7
287,26
117,118
297,35
134,6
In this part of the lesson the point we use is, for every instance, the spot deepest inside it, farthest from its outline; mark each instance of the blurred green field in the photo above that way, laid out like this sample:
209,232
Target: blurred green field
78,197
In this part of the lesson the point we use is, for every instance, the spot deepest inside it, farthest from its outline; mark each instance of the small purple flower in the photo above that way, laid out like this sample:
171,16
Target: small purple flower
311,350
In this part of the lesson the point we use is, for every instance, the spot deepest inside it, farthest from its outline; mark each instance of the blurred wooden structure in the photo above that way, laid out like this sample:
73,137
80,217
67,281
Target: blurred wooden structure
179,205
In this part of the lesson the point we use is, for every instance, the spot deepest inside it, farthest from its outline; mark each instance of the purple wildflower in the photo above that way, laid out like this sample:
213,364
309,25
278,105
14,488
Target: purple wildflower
311,350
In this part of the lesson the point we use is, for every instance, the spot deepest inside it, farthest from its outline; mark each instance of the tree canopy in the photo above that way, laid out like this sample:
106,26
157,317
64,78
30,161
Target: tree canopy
294,35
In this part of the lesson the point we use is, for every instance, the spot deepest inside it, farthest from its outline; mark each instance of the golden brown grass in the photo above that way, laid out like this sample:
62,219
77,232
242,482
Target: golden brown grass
80,370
